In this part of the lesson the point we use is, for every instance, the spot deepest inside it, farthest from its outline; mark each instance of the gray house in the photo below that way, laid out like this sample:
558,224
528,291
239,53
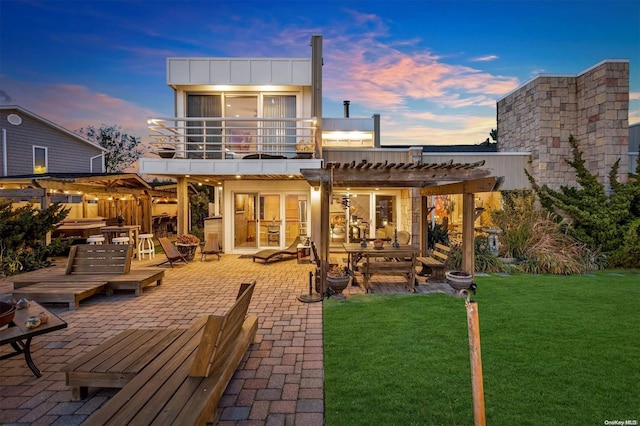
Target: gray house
31,144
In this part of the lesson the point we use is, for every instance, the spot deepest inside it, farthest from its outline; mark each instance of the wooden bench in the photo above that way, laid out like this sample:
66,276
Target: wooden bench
62,292
174,377
385,267
436,262
109,264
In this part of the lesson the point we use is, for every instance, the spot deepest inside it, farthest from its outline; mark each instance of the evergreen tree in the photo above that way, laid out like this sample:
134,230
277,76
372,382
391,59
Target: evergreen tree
598,219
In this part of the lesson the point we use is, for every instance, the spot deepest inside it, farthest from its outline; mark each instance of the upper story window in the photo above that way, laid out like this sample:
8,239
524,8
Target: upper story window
40,160
232,124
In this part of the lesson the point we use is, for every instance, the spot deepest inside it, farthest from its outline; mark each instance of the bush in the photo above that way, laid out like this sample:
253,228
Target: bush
600,220
438,234
23,231
484,260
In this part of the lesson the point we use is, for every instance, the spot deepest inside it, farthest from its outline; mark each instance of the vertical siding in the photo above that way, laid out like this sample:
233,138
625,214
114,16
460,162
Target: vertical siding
509,165
634,138
65,154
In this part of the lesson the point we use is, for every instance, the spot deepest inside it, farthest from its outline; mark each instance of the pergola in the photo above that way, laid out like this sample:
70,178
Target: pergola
125,192
426,178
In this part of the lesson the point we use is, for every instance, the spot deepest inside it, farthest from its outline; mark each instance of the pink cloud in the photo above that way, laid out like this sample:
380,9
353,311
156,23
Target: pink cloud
384,77
74,107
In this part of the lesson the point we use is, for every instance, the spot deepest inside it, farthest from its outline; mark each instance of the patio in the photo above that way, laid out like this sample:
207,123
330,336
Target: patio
280,380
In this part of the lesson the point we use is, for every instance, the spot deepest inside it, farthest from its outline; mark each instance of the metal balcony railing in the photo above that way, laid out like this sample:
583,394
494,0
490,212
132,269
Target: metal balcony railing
227,138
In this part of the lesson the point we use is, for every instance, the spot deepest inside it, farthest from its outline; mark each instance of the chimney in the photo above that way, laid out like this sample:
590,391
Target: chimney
346,109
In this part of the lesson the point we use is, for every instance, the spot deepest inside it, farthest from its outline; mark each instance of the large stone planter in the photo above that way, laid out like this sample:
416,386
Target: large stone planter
187,250
338,284
459,280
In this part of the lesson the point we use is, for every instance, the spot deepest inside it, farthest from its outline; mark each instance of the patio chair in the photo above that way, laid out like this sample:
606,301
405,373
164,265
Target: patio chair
211,246
271,255
172,253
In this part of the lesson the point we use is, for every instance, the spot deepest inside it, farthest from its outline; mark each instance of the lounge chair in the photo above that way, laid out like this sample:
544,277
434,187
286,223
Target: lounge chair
272,255
172,253
211,246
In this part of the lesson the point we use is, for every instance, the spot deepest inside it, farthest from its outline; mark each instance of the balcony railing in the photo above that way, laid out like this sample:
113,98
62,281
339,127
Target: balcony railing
227,138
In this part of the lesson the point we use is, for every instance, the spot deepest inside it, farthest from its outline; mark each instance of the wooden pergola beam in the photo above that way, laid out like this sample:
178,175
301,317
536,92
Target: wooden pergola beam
393,175
488,184
87,188
22,193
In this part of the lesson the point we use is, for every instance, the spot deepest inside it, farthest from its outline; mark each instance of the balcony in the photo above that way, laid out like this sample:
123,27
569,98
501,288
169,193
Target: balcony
225,138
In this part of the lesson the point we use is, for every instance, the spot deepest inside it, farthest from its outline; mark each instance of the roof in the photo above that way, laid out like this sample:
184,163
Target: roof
493,147
105,183
411,175
51,124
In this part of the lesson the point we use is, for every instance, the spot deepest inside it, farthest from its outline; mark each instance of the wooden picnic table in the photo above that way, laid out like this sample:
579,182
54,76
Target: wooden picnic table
355,253
19,336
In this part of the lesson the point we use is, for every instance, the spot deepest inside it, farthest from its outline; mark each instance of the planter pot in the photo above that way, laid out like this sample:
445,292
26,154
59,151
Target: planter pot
338,284
167,153
187,250
7,312
459,280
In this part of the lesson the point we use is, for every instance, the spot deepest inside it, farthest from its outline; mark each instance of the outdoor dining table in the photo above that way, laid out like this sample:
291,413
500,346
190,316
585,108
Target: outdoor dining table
110,232
355,253
19,336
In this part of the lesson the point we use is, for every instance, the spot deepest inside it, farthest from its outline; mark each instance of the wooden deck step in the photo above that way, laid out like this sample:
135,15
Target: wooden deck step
60,292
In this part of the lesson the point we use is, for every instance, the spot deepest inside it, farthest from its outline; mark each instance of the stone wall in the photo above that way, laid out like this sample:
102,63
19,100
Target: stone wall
593,106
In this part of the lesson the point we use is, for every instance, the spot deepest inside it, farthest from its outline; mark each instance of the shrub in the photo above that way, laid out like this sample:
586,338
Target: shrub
187,239
600,220
438,234
628,254
484,260
23,230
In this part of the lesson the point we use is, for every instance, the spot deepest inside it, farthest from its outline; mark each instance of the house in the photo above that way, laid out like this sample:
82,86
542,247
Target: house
252,127
43,162
34,145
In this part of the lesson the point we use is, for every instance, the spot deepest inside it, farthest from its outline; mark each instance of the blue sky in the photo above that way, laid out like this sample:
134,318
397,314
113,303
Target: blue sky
433,70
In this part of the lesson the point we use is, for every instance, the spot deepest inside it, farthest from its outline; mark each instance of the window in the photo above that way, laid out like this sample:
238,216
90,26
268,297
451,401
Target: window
39,160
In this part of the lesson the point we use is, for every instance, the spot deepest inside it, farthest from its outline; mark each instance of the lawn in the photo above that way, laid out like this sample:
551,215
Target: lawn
555,350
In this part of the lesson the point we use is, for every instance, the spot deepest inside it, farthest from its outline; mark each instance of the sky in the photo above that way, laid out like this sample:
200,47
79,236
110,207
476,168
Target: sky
433,70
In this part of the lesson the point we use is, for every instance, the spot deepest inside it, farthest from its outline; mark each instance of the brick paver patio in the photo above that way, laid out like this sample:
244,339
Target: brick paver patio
280,380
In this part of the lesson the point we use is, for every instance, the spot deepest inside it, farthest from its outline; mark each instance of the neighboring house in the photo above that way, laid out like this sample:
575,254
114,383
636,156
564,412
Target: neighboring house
248,126
34,145
43,162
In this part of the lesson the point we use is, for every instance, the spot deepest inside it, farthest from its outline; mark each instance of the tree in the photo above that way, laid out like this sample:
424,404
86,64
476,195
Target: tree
599,219
494,137
122,148
23,232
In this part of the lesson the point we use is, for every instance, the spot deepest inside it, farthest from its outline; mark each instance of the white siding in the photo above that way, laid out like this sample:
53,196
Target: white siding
238,71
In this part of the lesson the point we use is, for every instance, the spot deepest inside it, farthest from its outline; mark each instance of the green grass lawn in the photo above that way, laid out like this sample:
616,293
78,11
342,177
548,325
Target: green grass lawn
555,350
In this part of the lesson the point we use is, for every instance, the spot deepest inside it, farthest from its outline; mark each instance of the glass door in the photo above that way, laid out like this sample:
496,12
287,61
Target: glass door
386,211
203,136
241,135
295,214
279,137
245,224
270,220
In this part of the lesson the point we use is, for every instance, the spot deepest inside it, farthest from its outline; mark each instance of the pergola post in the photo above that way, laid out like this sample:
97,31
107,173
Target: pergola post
424,225
183,206
468,218
325,200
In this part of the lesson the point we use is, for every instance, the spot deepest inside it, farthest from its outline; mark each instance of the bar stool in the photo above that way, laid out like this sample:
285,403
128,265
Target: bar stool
146,246
120,240
95,239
